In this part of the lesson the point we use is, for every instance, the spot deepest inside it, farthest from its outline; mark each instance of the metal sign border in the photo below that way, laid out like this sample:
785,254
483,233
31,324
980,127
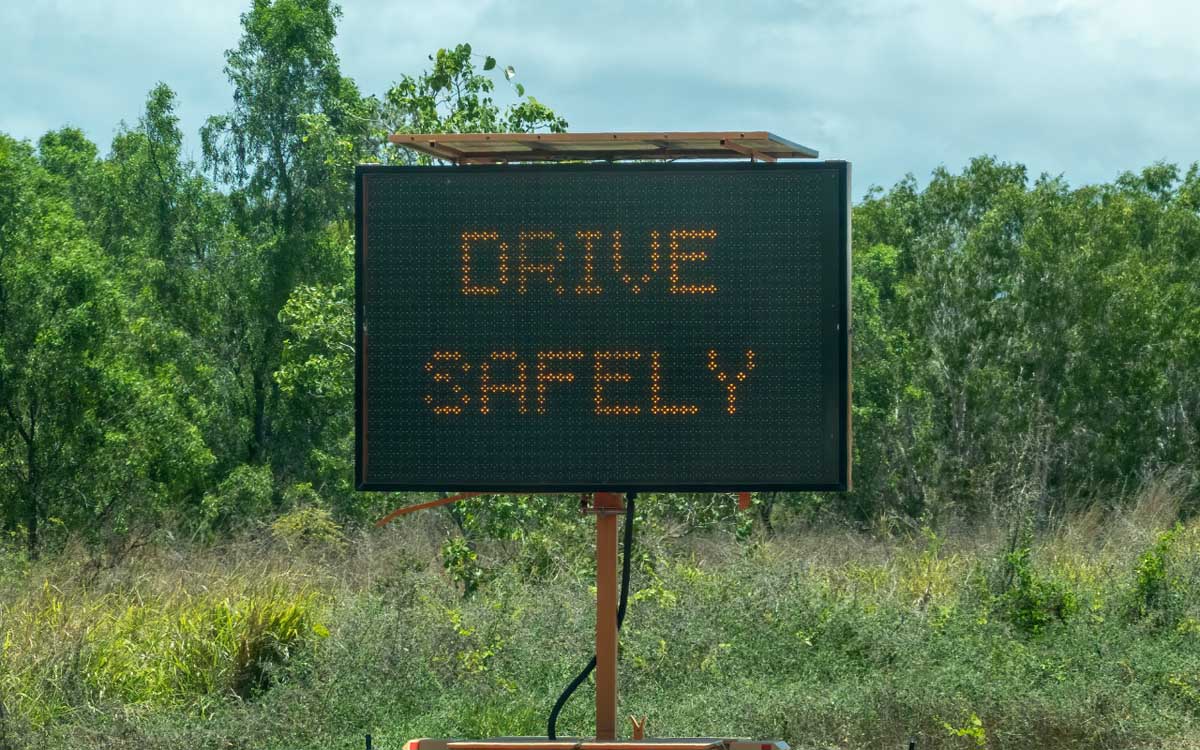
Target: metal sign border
362,338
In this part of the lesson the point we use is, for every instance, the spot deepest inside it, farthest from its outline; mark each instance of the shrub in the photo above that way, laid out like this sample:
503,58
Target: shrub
1034,601
1154,591
246,493
462,563
308,526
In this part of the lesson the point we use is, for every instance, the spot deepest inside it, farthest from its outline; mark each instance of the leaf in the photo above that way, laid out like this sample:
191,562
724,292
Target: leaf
520,90
509,72
490,63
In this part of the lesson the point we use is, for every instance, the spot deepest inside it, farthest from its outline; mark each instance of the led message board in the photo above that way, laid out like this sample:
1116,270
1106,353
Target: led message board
603,327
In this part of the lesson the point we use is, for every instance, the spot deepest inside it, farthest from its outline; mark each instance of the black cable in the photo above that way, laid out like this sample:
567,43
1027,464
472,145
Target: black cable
626,565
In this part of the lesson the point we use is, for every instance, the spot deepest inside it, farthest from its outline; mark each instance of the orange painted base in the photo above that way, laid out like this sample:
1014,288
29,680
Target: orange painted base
575,743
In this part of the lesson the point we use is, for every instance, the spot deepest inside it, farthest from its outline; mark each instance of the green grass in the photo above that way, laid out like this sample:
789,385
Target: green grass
1088,637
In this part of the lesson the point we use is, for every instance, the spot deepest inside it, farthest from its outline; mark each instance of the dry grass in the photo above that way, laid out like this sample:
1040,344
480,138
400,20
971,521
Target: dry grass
823,636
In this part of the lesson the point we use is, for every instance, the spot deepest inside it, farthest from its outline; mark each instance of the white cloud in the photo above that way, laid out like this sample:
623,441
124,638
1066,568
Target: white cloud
1083,87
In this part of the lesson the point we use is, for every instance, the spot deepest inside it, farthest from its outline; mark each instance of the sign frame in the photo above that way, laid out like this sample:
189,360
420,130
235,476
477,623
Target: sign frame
844,482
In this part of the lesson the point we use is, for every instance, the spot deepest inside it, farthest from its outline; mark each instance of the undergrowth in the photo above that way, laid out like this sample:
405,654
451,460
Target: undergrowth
1080,638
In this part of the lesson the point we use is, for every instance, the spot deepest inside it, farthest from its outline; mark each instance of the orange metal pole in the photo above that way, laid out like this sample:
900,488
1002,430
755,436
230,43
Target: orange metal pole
607,506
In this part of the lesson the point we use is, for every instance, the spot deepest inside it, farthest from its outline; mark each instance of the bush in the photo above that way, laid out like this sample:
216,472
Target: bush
245,494
821,638
157,646
1034,601
308,526
1159,590
462,563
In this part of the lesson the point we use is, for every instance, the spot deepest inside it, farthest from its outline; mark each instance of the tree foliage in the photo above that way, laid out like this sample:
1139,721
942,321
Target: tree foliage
1024,342
176,338
455,97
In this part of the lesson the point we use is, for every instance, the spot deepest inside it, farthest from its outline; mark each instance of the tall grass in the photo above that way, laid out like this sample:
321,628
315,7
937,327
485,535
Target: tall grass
175,635
1085,636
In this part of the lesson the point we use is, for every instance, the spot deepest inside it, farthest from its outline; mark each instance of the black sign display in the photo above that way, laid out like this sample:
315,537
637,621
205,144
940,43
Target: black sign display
603,327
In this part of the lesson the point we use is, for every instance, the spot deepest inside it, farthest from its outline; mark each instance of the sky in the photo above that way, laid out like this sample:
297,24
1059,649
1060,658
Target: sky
1083,88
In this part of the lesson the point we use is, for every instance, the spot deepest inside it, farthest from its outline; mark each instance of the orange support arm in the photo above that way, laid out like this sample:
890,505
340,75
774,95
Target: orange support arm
422,506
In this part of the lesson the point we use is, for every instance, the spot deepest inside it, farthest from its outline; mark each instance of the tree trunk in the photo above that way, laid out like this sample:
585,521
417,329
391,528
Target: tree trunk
258,441
31,527
766,504
33,479
31,502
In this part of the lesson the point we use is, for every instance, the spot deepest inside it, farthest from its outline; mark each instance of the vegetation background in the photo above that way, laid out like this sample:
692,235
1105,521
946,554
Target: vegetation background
184,560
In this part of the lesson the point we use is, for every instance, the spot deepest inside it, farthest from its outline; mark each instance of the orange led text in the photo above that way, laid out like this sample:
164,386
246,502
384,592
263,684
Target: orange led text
624,382
577,262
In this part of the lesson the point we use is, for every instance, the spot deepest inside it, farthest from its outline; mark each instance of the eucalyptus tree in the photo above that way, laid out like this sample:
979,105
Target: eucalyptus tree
315,374
458,96
285,151
1023,343
168,232
56,303
86,440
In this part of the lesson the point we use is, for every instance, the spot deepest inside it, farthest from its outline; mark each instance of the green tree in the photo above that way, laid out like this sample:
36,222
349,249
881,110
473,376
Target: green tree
83,436
316,380
315,372
176,251
285,150
55,305
1026,346
456,97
